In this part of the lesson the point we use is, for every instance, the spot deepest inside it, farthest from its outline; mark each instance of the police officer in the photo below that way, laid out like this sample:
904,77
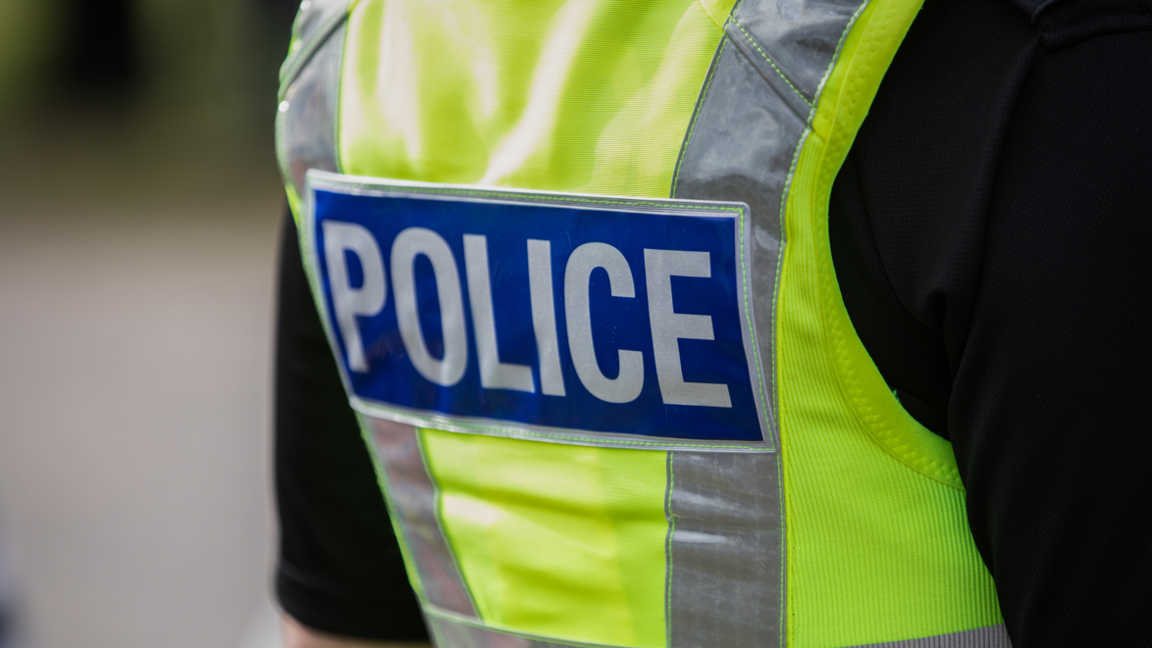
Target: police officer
655,340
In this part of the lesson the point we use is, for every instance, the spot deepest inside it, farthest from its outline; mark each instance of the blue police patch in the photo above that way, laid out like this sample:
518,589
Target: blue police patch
537,313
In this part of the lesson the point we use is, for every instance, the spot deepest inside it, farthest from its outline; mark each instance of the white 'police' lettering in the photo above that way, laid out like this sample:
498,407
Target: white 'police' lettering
669,327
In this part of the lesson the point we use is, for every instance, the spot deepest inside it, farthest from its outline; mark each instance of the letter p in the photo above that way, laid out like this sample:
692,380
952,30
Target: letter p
349,302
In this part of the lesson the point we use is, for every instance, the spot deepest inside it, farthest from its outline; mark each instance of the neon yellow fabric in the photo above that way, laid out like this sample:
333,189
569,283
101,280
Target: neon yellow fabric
877,538
585,95
556,540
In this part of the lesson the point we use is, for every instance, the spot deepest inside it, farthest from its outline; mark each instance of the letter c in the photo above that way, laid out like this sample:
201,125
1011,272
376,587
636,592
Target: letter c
626,386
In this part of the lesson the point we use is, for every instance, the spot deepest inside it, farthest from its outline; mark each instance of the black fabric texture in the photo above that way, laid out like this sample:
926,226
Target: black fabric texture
1070,21
340,569
992,238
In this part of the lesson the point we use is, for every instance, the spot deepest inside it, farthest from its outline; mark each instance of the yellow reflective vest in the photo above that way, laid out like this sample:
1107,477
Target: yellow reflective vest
825,517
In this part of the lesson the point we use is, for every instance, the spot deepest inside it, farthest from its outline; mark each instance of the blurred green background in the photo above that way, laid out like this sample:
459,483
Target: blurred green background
187,85
139,212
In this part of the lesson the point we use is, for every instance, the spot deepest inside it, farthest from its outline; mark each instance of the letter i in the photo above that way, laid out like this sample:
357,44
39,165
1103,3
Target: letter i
544,316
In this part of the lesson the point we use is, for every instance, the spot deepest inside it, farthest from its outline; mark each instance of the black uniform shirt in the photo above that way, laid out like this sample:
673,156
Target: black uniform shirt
992,235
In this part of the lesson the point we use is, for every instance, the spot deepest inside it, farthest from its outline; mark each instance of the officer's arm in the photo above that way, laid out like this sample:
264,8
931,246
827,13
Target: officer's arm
299,636
340,568
1049,412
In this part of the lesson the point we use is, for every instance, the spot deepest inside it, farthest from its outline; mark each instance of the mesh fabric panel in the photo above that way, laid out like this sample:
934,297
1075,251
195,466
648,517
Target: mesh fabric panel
878,541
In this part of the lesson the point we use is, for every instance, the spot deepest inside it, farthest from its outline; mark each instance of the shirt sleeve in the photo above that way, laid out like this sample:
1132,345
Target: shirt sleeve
992,235
340,569
1049,410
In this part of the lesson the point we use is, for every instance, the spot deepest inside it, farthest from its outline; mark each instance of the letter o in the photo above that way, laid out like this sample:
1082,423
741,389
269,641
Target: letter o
409,244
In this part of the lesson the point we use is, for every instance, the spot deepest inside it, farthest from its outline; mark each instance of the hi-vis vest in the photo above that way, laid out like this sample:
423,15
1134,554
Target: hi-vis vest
572,257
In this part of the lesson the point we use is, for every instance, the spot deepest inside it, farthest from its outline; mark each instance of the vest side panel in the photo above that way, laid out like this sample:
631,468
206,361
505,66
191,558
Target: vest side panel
879,548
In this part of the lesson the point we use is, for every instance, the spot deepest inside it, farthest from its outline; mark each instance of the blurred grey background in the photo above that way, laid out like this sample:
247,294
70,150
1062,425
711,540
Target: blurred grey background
139,212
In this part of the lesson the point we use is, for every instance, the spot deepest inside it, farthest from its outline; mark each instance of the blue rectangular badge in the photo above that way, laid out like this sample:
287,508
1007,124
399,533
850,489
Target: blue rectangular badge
539,314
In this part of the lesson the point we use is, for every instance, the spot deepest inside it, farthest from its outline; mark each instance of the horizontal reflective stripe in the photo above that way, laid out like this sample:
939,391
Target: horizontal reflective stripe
449,631
990,637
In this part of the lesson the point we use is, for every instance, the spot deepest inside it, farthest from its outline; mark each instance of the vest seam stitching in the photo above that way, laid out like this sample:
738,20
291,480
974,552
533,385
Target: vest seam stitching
749,304
337,121
836,55
779,349
770,62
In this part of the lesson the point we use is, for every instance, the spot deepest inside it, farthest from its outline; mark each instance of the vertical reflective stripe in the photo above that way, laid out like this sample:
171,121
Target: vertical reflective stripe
990,637
740,147
314,22
725,567
413,495
726,551
306,123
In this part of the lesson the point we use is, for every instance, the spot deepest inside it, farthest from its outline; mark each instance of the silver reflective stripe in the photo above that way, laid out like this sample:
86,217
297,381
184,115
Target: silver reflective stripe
741,147
725,550
739,36
450,632
801,38
306,123
990,637
314,23
413,496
